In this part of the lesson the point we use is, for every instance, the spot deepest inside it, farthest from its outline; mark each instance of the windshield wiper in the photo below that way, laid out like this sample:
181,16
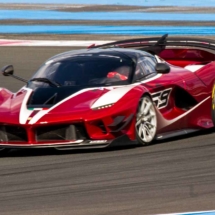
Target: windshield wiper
46,80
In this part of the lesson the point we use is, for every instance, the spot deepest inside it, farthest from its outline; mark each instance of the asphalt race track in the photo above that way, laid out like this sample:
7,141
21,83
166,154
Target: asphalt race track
172,176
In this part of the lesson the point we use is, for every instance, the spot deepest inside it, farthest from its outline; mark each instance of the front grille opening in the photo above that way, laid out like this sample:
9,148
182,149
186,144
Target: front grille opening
61,132
13,134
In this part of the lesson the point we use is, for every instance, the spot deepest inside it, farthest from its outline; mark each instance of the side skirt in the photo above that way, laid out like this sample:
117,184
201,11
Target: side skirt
175,133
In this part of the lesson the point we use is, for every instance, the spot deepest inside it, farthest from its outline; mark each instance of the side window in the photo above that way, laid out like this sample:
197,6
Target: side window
140,70
144,67
150,64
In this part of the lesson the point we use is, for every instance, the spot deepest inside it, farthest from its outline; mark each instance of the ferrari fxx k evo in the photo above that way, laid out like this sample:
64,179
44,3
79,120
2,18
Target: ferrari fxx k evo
125,92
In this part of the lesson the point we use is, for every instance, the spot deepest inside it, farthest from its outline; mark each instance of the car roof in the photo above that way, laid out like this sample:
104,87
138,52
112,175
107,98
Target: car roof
120,52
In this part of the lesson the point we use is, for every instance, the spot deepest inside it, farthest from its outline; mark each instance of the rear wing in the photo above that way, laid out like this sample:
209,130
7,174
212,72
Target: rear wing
155,45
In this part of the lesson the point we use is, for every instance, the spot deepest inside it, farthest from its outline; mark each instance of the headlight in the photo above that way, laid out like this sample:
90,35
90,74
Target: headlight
103,106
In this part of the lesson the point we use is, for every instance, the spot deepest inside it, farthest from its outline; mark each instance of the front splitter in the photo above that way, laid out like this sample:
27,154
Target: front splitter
79,144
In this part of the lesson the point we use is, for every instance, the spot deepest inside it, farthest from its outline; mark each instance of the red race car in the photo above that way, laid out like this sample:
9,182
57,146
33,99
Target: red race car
126,92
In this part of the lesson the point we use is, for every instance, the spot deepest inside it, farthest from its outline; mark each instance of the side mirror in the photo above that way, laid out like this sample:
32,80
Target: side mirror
162,68
7,70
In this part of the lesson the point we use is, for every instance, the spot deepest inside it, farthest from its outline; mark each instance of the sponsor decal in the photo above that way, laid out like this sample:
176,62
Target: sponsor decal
98,141
161,98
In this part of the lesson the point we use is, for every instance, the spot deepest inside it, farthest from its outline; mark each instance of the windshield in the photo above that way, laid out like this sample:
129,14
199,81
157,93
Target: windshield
87,71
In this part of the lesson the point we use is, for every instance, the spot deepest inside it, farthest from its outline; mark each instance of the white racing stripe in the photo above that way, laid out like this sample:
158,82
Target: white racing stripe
116,94
151,79
115,97
112,96
24,112
169,122
193,68
40,114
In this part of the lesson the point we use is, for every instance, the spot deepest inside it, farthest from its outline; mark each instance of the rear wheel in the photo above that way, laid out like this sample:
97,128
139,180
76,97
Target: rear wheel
146,121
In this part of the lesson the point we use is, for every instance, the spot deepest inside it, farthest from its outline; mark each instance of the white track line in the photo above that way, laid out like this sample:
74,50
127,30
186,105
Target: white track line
84,43
193,213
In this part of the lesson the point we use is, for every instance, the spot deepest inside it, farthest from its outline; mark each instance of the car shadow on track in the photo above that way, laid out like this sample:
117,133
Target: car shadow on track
50,152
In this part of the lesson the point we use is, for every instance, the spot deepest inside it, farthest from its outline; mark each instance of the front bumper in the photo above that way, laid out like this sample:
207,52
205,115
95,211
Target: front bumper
78,144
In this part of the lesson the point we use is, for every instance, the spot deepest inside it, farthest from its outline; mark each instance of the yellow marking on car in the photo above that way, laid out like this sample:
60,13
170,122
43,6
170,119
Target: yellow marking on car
213,91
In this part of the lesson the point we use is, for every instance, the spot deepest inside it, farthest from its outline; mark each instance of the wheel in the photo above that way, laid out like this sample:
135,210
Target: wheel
3,151
146,121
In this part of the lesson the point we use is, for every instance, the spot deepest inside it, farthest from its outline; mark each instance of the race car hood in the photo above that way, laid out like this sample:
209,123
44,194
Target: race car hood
43,105
10,104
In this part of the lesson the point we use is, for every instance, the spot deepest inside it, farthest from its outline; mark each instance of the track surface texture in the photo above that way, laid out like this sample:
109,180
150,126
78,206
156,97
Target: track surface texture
177,175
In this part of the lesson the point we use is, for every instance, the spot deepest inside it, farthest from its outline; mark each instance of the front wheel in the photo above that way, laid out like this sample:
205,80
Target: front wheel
146,121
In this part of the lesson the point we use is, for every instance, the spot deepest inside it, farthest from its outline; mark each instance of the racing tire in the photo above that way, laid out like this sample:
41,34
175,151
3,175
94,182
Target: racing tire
146,121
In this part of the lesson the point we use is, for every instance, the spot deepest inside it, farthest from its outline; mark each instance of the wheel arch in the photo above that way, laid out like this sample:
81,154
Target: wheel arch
146,93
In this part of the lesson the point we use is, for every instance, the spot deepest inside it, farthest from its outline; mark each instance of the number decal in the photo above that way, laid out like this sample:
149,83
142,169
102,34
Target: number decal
161,98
